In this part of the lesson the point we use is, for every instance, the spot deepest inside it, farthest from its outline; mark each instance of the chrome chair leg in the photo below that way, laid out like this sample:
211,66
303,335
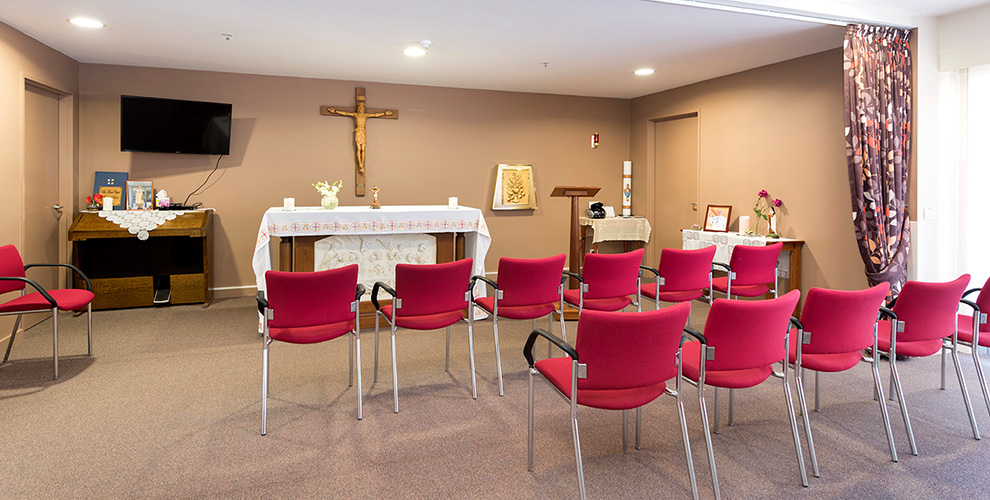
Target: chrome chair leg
716,414
529,460
376,348
10,343
794,429
264,387
395,374
896,382
708,438
687,445
878,389
818,392
577,454
732,406
89,329
979,373
965,393
639,426
625,431
942,352
498,355
357,341
446,363
799,382
474,383
350,360
55,340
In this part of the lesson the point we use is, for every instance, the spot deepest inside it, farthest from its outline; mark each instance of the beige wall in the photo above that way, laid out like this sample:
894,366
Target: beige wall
778,128
446,142
23,58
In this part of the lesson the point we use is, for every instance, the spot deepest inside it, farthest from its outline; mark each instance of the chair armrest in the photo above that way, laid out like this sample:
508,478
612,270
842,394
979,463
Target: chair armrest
723,265
886,313
688,331
573,275
474,280
656,272
89,284
39,288
976,308
555,340
361,290
374,293
970,291
262,302
796,323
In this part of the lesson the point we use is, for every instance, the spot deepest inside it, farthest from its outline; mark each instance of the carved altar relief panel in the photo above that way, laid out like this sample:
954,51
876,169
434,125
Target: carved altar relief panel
375,255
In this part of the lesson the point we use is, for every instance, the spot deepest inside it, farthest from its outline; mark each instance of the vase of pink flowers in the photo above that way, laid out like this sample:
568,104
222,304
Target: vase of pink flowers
765,209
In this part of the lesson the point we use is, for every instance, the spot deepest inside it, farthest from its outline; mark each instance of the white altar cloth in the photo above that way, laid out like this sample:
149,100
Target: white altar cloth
724,243
316,221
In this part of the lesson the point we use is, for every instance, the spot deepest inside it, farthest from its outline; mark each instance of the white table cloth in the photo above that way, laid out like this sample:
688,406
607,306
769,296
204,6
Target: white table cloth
725,242
316,221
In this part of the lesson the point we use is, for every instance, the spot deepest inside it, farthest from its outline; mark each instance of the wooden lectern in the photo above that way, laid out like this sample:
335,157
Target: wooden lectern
574,192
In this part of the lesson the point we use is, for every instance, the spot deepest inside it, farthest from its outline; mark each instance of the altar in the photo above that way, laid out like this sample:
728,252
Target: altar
788,265
459,232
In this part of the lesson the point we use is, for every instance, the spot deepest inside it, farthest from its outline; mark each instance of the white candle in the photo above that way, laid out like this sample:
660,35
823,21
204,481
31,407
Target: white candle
626,188
107,203
743,224
627,167
288,203
452,202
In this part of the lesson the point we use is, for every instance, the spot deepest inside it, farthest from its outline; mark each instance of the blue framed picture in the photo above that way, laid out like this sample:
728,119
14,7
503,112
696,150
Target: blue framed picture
113,185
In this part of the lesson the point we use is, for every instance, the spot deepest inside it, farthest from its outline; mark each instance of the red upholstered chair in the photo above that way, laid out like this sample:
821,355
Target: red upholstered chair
836,327
307,308
426,297
620,361
751,270
745,339
526,289
13,278
607,281
974,331
682,276
922,322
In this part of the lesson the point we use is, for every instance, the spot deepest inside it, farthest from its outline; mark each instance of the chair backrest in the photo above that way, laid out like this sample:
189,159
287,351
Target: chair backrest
11,265
683,270
749,333
983,301
625,350
300,299
530,281
432,288
841,320
928,309
611,275
754,265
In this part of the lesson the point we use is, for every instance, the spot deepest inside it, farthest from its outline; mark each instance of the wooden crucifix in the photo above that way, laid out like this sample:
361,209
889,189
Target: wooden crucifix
360,115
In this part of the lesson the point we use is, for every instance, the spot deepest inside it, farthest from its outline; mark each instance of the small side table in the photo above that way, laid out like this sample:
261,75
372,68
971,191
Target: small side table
628,230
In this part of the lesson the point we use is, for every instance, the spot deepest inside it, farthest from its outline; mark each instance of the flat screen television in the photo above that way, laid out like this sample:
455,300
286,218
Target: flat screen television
154,125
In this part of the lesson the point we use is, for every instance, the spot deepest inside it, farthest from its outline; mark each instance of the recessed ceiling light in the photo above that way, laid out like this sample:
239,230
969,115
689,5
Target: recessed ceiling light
417,50
645,71
86,22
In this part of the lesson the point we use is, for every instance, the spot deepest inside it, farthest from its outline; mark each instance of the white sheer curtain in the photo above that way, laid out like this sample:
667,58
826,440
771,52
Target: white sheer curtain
974,174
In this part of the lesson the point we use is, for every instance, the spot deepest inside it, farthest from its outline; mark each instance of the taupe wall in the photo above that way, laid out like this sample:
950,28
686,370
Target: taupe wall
446,142
778,128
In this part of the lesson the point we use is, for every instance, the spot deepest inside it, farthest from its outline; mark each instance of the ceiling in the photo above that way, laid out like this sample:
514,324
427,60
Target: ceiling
572,47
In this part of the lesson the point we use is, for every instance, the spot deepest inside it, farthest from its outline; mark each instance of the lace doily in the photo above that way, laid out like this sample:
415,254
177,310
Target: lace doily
139,222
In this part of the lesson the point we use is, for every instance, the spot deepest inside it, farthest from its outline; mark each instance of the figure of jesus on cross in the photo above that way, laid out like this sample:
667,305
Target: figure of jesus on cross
360,114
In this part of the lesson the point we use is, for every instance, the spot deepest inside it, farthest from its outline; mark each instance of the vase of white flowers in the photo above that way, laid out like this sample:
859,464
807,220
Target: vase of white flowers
329,192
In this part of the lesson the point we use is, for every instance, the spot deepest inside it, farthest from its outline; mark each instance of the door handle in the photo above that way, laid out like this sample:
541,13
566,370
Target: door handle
57,207
694,206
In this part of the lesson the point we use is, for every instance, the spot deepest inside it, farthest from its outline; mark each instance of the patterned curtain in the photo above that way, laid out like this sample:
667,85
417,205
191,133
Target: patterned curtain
876,63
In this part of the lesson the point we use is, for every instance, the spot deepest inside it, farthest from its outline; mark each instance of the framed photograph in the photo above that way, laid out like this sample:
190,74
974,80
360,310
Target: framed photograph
717,218
140,195
515,188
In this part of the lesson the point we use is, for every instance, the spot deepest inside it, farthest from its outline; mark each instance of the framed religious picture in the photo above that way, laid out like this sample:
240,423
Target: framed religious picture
515,188
140,195
717,218
111,185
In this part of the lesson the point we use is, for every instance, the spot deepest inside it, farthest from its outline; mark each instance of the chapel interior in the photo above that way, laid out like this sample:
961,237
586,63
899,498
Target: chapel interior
168,404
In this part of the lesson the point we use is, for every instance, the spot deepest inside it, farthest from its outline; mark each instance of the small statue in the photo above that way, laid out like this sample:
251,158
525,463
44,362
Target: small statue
375,203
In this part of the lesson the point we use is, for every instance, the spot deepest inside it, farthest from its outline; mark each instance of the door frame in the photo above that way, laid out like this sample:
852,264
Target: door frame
66,163
653,252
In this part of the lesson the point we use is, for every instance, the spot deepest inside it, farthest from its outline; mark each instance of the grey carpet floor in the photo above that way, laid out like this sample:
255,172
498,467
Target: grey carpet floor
169,407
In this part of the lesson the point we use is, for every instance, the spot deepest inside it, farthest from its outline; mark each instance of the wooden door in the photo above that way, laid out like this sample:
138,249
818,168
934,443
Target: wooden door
42,207
676,147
